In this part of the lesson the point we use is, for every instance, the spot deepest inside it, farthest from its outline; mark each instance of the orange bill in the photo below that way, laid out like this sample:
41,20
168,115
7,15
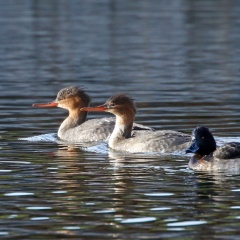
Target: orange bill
100,108
45,105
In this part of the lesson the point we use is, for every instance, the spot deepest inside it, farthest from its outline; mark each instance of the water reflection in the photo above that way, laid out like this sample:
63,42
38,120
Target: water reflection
178,59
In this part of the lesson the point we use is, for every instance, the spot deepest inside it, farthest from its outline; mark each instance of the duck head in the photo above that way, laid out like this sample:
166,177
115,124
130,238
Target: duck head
203,141
70,98
120,105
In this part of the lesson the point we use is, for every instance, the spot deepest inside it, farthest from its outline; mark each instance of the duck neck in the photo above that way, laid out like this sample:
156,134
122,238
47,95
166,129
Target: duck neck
122,130
74,119
78,117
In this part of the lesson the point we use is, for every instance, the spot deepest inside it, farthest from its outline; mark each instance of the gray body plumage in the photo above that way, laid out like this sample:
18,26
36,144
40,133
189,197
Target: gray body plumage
91,130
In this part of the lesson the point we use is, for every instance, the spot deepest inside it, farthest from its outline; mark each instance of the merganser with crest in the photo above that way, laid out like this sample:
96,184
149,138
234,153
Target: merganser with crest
124,139
75,128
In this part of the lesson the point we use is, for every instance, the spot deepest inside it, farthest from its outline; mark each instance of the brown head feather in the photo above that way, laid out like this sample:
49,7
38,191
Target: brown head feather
70,92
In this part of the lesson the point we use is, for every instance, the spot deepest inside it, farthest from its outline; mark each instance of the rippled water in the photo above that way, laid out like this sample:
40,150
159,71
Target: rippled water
178,59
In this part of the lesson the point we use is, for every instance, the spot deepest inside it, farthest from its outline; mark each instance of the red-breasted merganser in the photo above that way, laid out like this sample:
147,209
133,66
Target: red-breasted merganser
206,154
75,128
122,137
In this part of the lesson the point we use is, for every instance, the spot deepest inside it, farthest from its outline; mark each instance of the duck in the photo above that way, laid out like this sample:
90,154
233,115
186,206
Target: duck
207,156
123,138
76,128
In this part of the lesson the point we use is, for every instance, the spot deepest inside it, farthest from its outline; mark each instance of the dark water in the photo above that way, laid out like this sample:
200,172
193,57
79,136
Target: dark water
178,59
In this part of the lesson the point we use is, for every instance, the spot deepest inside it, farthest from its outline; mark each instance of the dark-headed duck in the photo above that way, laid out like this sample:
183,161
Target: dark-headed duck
207,156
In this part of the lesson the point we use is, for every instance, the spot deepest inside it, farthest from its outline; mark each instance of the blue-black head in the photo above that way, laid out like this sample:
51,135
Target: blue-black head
203,141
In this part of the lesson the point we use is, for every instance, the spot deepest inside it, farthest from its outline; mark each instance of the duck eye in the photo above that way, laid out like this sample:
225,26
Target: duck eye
112,105
202,137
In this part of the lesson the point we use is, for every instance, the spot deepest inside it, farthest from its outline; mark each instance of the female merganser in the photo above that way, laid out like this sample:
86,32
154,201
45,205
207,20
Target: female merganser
75,128
122,137
206,154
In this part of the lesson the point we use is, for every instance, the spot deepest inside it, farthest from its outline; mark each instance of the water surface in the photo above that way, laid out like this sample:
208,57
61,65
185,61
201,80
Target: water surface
179,60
